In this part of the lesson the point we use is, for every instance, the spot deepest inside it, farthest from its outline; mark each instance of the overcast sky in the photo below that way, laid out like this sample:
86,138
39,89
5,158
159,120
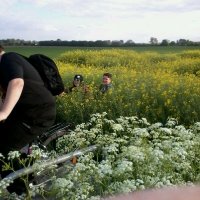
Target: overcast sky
137,20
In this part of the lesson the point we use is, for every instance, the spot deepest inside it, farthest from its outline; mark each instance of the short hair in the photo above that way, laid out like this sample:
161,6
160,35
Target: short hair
109,75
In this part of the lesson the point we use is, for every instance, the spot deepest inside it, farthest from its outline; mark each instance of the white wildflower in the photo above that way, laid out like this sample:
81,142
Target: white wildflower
158,154
144,121
166,131
142,132
1,155
122,187
155,126
104,168
133,153
13,154
155,134
62,185
112,148
104,114
171,122
196,127
117,127
123,166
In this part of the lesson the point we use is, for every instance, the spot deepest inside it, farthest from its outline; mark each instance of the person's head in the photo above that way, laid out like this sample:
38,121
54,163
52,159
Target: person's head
107,78
78,78
1,50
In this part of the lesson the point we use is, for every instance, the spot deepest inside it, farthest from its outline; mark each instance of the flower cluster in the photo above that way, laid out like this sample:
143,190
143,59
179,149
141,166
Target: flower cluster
133,155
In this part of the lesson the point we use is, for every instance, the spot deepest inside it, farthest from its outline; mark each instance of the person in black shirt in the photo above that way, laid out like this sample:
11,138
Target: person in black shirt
27,108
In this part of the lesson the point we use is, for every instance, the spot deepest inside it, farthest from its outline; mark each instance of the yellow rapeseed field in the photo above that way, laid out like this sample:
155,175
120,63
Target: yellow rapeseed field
146,84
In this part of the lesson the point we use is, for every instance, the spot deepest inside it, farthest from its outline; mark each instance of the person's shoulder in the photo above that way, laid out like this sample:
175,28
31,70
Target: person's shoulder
11,55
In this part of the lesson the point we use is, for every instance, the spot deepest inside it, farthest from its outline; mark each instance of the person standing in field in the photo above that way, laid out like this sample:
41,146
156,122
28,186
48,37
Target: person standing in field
106,83
77,84
27,108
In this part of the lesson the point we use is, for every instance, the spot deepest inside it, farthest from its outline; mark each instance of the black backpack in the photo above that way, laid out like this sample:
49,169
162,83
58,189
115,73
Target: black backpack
48,72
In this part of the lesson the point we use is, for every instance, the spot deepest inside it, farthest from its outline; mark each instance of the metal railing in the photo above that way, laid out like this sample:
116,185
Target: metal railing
47,163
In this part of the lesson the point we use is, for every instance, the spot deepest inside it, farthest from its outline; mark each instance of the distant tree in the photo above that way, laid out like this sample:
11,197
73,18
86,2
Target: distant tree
97,43
184,42
117,43
165,42
153,41
172,43
121,42
102,43
129,43
107,42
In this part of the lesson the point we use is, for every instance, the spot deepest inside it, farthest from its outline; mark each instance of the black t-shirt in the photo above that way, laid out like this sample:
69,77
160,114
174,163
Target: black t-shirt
36,104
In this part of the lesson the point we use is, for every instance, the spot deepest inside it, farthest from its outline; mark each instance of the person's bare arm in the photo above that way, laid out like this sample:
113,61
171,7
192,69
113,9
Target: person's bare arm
13,94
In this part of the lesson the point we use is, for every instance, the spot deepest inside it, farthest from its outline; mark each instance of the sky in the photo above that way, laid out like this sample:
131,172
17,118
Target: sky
91,20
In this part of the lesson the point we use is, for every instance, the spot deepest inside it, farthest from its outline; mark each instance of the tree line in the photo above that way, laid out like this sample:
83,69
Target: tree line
98,43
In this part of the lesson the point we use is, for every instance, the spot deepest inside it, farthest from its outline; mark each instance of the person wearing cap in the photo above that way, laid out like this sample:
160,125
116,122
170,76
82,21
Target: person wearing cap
106,83
77,83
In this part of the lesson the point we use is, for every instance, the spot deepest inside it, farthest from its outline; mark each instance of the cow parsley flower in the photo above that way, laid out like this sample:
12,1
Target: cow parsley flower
117,127
155,126
171,122
1,155
165,131
104,168
142,132
13,154
123,166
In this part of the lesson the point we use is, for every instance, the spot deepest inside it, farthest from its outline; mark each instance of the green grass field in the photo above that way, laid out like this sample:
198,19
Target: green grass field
55,51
